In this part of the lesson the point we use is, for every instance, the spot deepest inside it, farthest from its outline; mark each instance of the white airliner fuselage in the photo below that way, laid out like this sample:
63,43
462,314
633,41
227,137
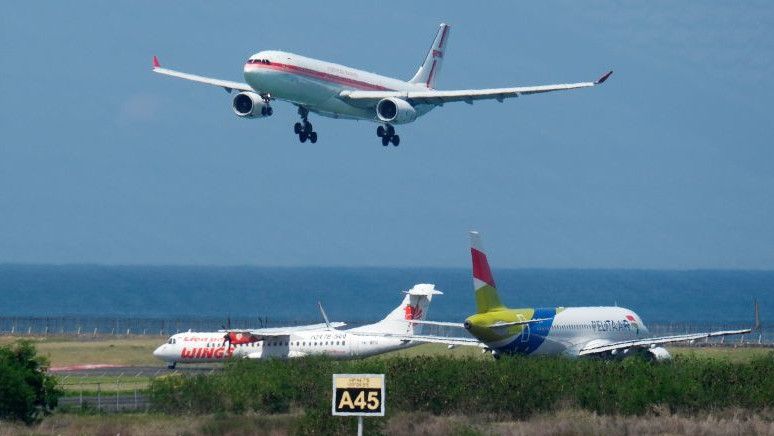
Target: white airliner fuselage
318,85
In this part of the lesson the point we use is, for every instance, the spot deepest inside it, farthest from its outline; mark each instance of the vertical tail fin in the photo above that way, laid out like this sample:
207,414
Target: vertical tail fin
428,72
414,306
483,282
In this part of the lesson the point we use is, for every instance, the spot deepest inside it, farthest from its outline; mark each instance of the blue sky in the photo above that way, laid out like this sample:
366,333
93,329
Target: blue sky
669,165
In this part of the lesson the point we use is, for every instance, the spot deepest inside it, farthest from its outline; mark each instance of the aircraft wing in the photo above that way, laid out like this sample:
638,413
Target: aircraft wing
650,342
446,340
225,84
438,97
284,331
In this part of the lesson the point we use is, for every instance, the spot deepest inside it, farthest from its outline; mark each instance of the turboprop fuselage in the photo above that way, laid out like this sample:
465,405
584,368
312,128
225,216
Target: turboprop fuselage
198,347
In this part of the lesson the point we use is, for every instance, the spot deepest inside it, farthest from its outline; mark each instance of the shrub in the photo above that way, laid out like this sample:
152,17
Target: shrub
26,390
517,387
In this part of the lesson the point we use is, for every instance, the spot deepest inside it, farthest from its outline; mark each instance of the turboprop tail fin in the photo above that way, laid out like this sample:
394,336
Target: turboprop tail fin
428,72
483,282
414,306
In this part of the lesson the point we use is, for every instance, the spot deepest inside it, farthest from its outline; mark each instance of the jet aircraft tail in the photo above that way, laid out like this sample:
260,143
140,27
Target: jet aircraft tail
414,306
428,72
483,282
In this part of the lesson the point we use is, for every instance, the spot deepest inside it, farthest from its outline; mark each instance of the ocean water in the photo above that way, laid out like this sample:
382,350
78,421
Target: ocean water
367,294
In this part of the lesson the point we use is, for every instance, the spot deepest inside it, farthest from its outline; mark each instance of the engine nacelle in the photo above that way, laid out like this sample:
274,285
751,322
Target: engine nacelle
659,354
396,111
250,105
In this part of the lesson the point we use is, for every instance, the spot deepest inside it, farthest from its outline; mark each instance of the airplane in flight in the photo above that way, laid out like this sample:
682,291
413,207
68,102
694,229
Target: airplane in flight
608,332
337,91
316,339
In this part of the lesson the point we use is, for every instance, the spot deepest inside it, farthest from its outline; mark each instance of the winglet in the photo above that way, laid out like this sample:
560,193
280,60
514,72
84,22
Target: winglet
156,63
602,79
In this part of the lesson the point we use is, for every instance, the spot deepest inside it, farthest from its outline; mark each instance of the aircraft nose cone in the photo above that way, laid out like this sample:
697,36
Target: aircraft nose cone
159,352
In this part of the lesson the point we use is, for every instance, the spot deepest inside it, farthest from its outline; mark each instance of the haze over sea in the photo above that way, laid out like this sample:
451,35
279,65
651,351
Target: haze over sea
364,294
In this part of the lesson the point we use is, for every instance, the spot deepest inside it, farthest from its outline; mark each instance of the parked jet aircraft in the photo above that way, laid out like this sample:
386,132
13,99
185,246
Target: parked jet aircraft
570,331
289,342
337,91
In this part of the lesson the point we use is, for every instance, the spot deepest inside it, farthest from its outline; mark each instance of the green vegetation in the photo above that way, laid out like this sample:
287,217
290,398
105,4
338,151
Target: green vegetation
514,387
564,422
26,391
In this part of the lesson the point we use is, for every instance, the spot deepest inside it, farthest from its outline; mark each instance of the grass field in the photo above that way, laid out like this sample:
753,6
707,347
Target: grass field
70,350
563,422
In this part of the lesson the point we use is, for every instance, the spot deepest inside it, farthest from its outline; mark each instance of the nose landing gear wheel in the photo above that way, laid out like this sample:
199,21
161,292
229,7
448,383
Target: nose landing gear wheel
395,140
313,137
385,141
302,136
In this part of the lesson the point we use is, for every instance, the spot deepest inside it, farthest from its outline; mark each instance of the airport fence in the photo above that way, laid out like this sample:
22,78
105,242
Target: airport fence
94,326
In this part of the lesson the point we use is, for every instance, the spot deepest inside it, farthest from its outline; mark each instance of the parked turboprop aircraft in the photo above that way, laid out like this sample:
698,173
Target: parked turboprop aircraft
288,342
569,331
337,91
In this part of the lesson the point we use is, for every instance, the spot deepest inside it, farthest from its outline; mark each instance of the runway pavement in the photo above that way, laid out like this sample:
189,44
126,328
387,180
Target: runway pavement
117,370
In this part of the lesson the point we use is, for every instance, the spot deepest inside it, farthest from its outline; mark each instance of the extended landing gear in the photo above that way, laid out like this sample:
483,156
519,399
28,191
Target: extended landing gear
387,133
171,365
304,129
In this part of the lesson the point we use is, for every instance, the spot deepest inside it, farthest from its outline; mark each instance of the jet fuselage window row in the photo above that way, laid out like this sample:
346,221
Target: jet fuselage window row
259,61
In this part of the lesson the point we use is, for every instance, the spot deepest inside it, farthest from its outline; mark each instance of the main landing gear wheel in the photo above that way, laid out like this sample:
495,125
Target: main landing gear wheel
304,129
387,133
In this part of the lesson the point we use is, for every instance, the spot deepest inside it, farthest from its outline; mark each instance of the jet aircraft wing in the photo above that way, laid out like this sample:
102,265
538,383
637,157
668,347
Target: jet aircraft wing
651,342
438,97
495,325
225,84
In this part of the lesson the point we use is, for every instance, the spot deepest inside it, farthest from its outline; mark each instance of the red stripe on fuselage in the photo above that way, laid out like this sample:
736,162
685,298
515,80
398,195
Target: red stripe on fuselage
481,267
318,75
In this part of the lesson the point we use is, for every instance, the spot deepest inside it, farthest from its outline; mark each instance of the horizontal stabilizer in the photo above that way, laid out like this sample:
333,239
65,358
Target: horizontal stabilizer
423,289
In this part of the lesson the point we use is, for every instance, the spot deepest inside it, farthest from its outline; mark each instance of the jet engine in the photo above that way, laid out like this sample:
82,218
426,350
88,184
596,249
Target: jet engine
396,111
659,354
251,105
